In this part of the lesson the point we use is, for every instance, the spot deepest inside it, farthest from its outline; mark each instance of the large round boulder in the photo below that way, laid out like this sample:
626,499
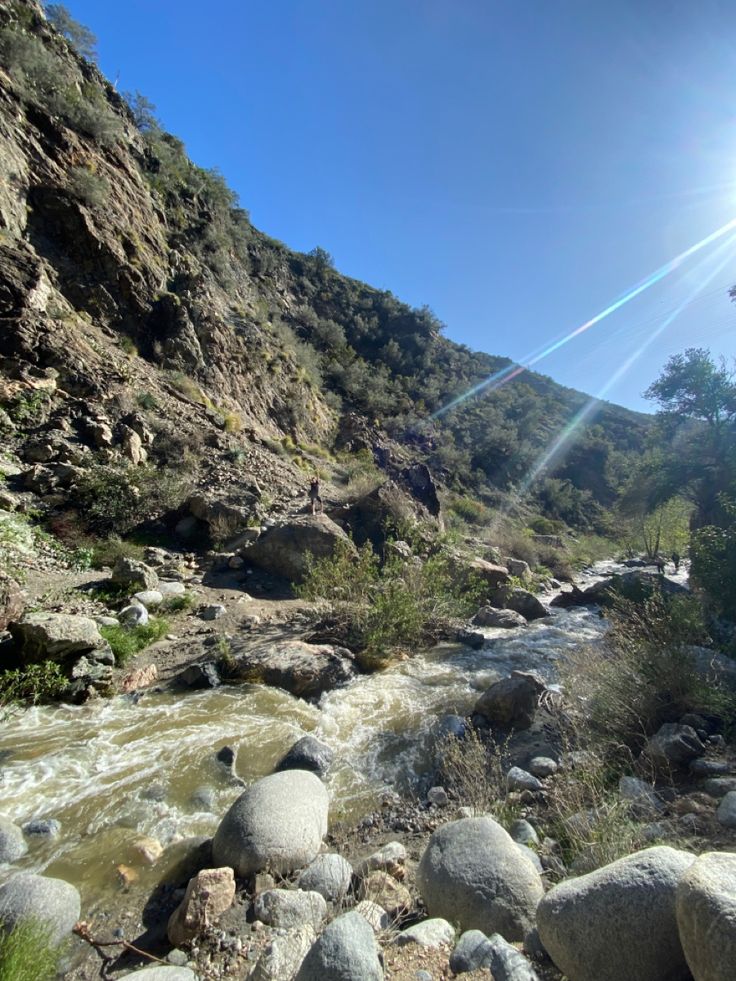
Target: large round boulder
287,550
619,921
12,843
473,874
56,636
52,902
329,875
305,670
512,702
277,824
706,916
307,753
346,951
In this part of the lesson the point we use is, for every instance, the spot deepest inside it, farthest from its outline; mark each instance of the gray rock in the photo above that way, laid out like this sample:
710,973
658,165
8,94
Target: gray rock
46,827
306,670
134,615
329,875
490,616
286,550
171,588
163,973
521,601
290,908
706,916
282,958
507,963
277,824
529,853
674,745
201,674
134,574
376,915
104,621
472,952
542,766
523,833
215,611
429,933
438,796
346,951
512,702
719,786
27,896
637,895
56,636
726,813
470,638
518,568
518,779
473,874
149,598
387,859
12,843
307,753
703,767
642,798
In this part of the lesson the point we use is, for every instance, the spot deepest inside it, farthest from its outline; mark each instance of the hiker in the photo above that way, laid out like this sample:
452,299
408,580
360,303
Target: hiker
676,561
660,564
314,498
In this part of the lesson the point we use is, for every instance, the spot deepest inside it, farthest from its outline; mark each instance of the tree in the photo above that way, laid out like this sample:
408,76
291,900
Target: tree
80,37
321,258
144,112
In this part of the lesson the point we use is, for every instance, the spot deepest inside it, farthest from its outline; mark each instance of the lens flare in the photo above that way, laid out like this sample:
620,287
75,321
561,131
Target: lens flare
564,438
512,371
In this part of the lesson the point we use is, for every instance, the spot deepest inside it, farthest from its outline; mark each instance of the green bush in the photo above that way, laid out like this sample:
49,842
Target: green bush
32,685
713,563
26,953
113,500
88,187
127,642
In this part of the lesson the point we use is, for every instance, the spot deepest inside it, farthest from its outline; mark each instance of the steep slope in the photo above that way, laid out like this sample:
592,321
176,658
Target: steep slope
134,291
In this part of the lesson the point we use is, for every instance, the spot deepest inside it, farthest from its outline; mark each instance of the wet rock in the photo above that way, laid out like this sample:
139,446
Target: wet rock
520,601
375,915
139,678
134,575
56,636
490,616
134,615
472,952
203,799
429,933
382,888
470,638
282,958
42,828
214,611
285,550
706,916
290,908
306,670
346,950
726,813
512,702
202,674
472,874
12,843
518,779
278,824
208,895
307,753
329,875
226,756
147,850
507,963
26,896
637,894
674,745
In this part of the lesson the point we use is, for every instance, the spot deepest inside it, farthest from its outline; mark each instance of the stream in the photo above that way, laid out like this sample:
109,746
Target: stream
111,771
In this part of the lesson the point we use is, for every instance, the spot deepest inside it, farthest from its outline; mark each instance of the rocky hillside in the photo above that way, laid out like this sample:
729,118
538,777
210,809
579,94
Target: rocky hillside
143,316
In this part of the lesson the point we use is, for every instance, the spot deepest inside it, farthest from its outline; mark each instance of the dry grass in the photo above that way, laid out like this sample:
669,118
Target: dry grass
474,774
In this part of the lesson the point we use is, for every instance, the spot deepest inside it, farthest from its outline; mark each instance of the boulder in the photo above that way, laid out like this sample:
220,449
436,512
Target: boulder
635,586
718,787
26,896
277,824
642,799
12,843
213,611
382,888
307,753
473,874
372,517
346,951
286,550
133,615
468,567
521,601
429,933
636,894
706,916
290,908
42,827
512,702
726,813
201,674
329,875
472,952
56,637
149,598
542,766
282,958
134,575
208,894
376,915
523,833
390,858
306,670
674,745
507,963
489,616
12,602
518,779
519,569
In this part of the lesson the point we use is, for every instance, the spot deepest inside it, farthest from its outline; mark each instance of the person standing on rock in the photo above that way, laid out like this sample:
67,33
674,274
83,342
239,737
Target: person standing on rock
676,561
315,500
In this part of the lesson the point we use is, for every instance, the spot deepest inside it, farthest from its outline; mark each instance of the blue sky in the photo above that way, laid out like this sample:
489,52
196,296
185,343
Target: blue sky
516,165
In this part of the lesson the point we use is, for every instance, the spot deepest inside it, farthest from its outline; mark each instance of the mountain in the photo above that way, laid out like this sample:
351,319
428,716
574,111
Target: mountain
137,297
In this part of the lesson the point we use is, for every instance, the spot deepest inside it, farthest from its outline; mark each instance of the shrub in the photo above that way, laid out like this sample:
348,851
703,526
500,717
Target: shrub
32,685
107,551
474,773
469,509
88,187
26,953
713,554
116,499
80,37
127,642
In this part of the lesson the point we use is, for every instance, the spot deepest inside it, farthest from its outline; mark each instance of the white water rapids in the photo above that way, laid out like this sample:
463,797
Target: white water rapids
111,771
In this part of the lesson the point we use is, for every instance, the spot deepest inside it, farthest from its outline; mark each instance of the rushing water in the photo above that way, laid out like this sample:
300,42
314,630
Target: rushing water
111,771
